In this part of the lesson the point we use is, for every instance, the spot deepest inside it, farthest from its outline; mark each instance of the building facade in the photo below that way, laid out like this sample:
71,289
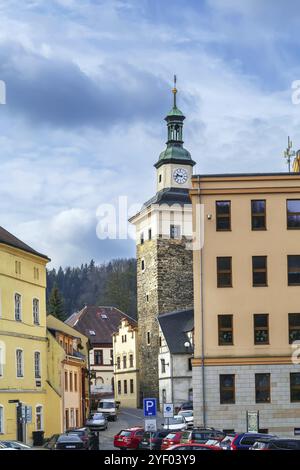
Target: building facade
23,343
126,368
246,300
164,262
176,330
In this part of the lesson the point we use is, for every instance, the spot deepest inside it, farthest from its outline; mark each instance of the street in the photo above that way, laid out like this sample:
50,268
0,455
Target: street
128,417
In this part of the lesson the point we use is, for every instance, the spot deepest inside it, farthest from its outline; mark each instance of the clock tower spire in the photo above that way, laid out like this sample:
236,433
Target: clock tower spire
174,166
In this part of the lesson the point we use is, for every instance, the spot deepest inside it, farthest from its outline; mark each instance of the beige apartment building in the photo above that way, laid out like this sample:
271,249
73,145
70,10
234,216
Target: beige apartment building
247,300
125,343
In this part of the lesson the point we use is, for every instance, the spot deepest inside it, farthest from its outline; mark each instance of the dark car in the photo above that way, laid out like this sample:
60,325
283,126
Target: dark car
188,405
246,440
153,440
65,442
83,433
276,444
129,438
201,435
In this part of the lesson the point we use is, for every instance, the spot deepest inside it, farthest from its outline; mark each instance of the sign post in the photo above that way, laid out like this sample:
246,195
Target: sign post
168,412
150,407
252,421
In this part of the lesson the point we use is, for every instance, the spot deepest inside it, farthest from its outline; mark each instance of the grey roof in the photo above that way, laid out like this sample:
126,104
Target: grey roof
169,196
9,239
175,326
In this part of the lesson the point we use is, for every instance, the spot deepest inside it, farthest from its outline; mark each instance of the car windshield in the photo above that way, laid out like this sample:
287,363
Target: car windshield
125,433
175,420
171,435
106,404
68,438
98,416
186,414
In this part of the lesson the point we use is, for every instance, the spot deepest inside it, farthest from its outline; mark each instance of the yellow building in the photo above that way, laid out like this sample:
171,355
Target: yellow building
125,344
246,300
23,343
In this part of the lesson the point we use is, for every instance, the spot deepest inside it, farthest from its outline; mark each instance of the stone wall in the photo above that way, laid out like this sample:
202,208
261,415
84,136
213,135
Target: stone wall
279,417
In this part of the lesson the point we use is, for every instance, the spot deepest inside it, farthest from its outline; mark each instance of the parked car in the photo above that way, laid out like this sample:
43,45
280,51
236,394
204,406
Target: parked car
188,405
64,442
181,447
276,444
15,445
129,438
225,443
178,423
109,407
171,439
188,416
246,440
153,440
97,422
83,433
201,435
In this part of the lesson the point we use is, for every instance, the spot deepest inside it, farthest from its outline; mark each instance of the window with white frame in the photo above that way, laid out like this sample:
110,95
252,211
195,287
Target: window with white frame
19,363
36,311
37,365
39,425
18,313
1,419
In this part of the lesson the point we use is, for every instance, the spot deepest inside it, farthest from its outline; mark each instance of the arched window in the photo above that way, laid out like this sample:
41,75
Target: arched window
1,419
39,418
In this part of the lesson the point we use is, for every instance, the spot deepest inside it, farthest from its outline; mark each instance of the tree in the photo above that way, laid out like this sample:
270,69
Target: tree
56,304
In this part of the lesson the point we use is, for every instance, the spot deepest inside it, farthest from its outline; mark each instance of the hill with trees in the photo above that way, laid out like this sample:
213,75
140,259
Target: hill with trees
108,284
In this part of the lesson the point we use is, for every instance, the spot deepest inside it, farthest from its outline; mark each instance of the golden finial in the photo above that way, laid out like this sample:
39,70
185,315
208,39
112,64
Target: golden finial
174,90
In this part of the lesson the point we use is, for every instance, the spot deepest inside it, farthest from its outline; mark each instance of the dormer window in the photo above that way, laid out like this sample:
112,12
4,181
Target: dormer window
92,333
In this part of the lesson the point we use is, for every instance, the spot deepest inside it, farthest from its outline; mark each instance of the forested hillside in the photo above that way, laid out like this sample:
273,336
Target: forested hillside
112,284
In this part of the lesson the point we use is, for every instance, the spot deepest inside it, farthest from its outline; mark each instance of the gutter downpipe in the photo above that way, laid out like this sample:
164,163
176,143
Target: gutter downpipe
202,317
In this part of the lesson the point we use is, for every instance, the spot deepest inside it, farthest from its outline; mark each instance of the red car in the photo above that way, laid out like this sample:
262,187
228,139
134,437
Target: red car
181,447
171,439
128,438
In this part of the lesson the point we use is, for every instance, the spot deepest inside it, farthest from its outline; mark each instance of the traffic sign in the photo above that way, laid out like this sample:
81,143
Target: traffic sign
28,414
150,425
149,407
168,410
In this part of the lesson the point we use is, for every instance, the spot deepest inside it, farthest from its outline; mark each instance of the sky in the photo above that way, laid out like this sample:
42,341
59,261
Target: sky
88,84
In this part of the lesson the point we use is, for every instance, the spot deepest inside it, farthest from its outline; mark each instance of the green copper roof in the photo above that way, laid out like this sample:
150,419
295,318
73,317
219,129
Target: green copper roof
174,112
175,152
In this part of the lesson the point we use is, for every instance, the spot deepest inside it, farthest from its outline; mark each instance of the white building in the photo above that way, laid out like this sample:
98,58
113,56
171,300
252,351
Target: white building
175,354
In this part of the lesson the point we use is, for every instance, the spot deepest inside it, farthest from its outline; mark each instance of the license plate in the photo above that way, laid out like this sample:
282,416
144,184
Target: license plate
70,447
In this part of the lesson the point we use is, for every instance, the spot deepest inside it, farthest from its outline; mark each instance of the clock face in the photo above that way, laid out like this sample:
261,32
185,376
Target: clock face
180,175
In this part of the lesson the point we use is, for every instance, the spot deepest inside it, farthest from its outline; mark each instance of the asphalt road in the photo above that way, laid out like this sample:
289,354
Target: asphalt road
127,417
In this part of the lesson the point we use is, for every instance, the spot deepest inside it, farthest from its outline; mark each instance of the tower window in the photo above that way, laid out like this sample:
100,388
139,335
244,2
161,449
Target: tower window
174,231
159,179
142,238
149,234
147,297
148,337
143,265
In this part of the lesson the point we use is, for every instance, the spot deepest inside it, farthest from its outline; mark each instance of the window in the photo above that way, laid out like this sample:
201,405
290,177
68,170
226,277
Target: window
131,386
71,382
125,387
259,271
227,389
1,419
98,357
66,381
261,328
225,325
224,271
130,360
294,270
148,338
262,388
67,419
18,267
37,365
147,297
149,234
72,418
223,222
174,231
142,238
36,274
164,395
190,394
19,363
124,362
77,418
293,213
36,311
159,179
124,338
295,386
18,314
294,327
118,362
39,418
75,382
119,387
143,264
190,367
163,366
111,357
258,214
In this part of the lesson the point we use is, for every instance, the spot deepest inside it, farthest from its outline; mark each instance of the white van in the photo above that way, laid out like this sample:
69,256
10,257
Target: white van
108,407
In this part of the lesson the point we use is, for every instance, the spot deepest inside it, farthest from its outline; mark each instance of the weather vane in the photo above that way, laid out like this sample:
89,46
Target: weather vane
175,90
289,153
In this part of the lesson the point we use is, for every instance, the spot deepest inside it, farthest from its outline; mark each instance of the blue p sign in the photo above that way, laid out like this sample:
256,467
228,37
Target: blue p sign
149,407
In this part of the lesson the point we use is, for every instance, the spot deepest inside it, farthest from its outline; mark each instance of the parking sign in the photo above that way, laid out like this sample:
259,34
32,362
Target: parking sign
149,407
168,410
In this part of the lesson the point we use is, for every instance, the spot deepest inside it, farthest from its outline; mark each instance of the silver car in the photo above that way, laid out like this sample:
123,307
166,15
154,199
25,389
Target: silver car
97,422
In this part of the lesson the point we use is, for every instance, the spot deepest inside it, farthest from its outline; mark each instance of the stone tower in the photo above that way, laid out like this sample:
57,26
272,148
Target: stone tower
164,262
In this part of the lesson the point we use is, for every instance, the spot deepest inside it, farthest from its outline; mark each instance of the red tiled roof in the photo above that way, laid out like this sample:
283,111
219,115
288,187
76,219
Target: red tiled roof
104,321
